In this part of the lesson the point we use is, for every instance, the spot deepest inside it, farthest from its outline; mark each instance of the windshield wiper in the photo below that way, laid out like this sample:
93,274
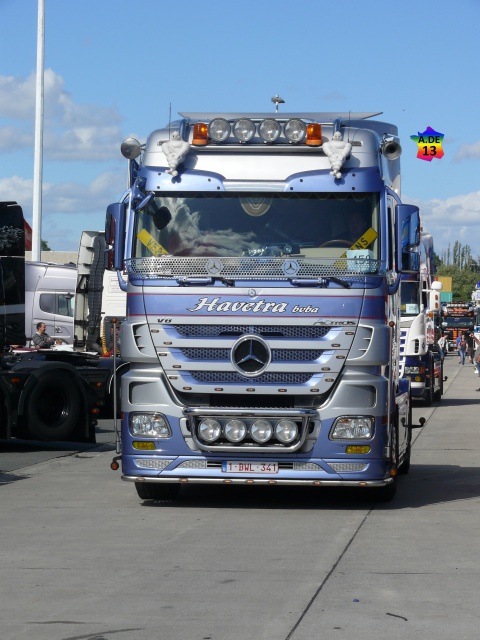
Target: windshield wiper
185,281
319,282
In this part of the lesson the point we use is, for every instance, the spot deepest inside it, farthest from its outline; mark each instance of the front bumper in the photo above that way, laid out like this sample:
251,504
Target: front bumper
263,481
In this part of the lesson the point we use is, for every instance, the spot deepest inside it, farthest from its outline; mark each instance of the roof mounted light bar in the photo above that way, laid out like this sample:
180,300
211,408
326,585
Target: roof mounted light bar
220,130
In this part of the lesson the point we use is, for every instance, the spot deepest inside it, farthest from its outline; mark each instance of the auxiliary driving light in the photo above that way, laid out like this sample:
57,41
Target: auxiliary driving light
244,129
219,129
286,431
261,431
295,130
269,130
235,430
209,429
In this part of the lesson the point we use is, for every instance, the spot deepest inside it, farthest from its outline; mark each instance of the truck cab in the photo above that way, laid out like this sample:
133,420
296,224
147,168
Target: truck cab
50,298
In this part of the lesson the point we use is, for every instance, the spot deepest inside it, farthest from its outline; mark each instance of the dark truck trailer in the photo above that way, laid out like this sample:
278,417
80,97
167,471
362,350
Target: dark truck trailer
44,394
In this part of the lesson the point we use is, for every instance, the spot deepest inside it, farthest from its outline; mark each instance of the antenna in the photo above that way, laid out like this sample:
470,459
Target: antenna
277,100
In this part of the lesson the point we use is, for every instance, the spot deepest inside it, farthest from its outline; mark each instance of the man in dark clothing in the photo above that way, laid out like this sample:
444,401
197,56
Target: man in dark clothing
470,347
41,339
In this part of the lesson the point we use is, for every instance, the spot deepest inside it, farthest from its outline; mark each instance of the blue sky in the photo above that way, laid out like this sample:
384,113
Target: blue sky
113,67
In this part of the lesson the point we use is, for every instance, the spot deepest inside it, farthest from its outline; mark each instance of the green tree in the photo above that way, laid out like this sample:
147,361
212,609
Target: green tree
44,246
463,269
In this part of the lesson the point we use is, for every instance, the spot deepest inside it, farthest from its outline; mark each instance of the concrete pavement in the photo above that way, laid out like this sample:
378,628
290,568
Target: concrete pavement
83,558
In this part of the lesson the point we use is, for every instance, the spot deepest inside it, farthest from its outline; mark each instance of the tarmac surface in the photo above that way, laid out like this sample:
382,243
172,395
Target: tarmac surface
83,558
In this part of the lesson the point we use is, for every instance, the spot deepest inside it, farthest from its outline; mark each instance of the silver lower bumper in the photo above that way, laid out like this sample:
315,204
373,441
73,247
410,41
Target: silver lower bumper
263,481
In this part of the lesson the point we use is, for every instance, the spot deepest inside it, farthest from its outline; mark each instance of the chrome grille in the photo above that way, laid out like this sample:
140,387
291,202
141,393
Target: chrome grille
266,331
225,377
278,355
254,268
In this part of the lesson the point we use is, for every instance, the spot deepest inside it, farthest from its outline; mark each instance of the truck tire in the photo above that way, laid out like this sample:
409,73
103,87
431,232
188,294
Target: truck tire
428,396
153,491
386,493
439,393
3,417
53,407
404,468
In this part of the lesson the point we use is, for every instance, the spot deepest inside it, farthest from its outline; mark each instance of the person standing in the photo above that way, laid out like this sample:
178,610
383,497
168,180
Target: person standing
442,342
461,346
470,347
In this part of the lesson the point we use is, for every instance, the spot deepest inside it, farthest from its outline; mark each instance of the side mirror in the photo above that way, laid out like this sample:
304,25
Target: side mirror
407,227
115,233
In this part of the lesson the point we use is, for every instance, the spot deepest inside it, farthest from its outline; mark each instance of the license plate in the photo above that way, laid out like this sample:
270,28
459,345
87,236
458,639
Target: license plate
250,467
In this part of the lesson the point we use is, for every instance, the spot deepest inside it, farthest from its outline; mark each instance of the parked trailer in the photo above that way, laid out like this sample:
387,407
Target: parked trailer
44,394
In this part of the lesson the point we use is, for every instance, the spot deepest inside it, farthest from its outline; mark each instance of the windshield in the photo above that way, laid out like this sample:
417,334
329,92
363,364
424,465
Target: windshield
248,224
410,299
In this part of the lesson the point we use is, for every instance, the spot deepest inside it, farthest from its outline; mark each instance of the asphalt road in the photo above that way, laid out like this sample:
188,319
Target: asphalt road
83,558
16,454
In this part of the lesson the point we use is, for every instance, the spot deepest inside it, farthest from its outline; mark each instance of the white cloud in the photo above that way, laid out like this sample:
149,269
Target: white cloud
13,138
65,198
67,208
452,219
17,97
468,151
71,131
17,188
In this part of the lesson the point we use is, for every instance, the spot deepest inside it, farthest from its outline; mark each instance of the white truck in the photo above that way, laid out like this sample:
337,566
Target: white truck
263,255
50,298
420,310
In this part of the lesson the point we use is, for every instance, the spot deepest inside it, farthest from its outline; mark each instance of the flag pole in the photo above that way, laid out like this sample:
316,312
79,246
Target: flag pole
38,150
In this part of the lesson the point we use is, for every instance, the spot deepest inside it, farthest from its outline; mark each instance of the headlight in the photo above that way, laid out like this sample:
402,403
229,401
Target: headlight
244,129
235,430
269,130
261,430
295,130
219,129
286,431
150,425
414,370
209,429
355,428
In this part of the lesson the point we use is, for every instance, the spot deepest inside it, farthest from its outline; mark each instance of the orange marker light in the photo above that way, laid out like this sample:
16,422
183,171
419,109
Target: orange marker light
314,134
200,134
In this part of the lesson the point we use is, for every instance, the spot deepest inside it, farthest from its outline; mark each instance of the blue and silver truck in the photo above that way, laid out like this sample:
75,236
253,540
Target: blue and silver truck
263,255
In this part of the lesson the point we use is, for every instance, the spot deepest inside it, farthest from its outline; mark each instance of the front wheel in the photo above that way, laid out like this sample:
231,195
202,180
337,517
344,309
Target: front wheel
439,393
404,468
429,397
385,493
154,491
